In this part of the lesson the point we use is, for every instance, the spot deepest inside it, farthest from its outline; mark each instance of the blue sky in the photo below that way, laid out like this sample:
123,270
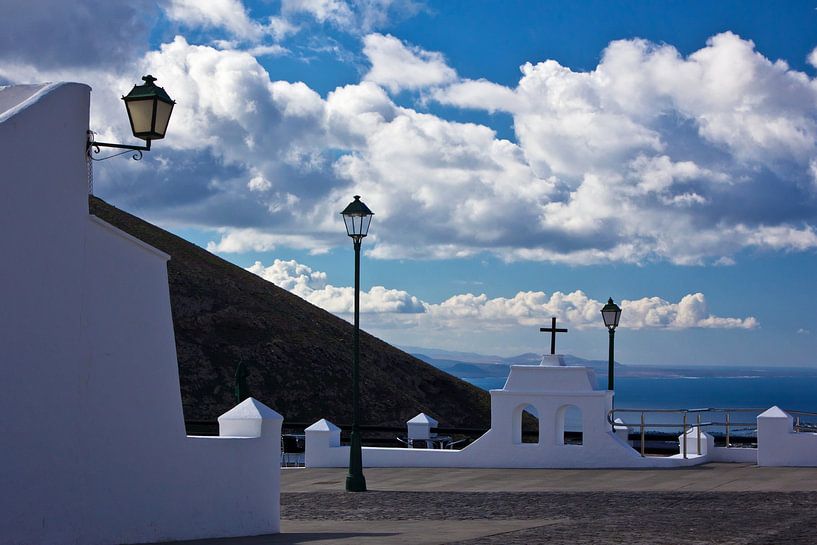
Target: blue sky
523,159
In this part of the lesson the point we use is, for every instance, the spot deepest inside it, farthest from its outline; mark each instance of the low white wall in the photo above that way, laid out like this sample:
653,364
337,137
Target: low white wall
733,454
558,388
486,452
713,453
779,445
501,446
550,390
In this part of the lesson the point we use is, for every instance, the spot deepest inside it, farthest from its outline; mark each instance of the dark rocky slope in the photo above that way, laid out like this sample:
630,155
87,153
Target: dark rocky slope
299,356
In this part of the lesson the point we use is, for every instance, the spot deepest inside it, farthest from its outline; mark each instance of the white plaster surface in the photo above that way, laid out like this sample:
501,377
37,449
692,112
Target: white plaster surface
14,98
779,445
94,448
741,455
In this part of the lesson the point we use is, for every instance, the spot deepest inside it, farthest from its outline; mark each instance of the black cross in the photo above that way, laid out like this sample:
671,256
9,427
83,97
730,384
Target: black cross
553,331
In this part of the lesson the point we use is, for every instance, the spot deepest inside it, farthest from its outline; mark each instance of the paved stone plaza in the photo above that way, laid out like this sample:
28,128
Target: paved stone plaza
735,504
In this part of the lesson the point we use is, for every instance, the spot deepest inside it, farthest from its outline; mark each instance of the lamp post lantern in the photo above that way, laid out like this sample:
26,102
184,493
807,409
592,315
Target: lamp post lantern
149,108
357,218
611,313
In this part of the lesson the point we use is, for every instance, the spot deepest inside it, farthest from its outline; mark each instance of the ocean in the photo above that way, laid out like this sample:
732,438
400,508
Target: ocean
713,387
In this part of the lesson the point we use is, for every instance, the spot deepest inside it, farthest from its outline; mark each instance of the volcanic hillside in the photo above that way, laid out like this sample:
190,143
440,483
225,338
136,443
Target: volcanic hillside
298,355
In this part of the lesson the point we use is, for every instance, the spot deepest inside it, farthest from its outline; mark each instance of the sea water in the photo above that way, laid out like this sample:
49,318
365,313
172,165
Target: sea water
793,389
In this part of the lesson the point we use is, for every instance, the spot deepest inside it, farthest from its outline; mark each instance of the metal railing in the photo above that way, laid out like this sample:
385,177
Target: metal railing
803,427
727,422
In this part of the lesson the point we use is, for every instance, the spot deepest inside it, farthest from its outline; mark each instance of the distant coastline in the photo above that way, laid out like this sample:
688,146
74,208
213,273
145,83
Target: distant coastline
654,386
472,365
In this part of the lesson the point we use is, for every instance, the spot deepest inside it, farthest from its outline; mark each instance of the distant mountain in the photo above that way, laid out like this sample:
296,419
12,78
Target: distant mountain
497,366
528,358
467,365
299,357
438,354
600,366
478,370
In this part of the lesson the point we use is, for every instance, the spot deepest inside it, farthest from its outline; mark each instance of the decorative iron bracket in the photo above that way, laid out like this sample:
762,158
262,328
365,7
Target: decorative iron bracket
93,144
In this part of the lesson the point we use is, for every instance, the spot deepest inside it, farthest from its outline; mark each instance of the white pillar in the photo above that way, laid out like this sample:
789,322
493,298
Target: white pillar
774,427
622,431
321,438
707,442
420,426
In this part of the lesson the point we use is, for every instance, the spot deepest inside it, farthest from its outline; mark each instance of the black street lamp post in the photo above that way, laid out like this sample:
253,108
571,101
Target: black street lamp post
357,217
611,313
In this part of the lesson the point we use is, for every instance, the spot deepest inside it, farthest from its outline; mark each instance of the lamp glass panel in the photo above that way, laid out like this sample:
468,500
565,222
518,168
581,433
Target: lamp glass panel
366,221
349,227
163,110
141,117
610,318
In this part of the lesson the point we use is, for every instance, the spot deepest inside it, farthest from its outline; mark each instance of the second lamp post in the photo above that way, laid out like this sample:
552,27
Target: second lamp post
357,217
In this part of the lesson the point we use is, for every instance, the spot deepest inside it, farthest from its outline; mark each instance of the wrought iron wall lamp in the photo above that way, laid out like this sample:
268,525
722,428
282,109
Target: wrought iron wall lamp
149,108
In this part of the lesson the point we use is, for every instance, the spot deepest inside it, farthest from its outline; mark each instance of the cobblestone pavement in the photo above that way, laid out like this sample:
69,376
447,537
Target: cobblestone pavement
578,518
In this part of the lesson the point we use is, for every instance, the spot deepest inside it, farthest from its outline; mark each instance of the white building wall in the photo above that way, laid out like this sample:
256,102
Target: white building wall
94,448
42,244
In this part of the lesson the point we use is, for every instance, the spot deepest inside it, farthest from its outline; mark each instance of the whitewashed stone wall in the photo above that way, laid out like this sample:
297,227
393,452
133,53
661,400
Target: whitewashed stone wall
93,442
551,389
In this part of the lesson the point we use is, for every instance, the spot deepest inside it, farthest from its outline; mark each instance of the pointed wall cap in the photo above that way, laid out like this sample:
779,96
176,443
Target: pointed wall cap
250,409
774,412
322,425
423,418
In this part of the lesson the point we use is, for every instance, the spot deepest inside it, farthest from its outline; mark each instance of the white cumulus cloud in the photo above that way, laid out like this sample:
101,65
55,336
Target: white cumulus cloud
231,16
312,286
259,183
397,66
354,16
652,145
468,312
650,156
228,14
812,57
253,240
